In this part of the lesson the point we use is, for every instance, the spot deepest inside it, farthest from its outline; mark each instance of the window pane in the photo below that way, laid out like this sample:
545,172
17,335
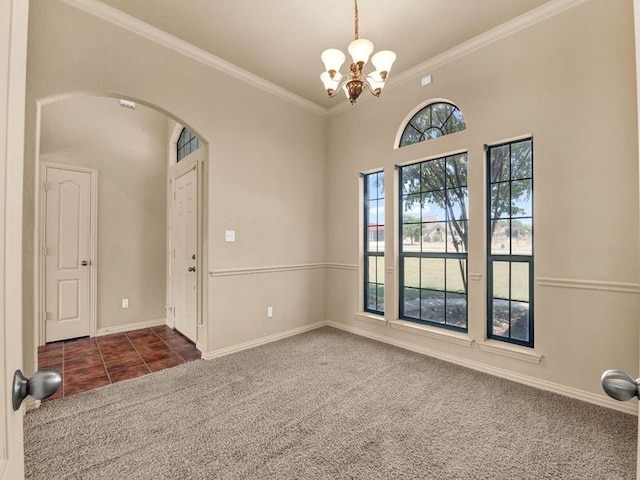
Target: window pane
441,113
456,275
380,270
433,206
520,321
432,306
457,170
499,164
432,273
371,270
433,237
520,281
500,320
411,179
457,199
521,154
500,206
411,307
433,177
521,198
411,208
501,280
411,237
371,296
409,136
380,298
457,237
412,272
457,310
521,236
500,237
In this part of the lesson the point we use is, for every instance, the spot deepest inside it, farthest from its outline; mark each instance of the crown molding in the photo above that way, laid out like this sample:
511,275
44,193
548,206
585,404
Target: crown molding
526,20
149,32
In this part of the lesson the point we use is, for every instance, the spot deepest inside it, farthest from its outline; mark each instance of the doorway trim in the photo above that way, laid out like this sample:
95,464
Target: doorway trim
40,248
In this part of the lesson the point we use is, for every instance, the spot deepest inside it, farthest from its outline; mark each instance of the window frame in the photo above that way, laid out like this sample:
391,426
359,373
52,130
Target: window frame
510,258
191,142
430,125
368,254
402,255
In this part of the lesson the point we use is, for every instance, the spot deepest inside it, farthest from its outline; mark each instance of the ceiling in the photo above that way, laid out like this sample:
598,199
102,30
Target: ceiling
281,40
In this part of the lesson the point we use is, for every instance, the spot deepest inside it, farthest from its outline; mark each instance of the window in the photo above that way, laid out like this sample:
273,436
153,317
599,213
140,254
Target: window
374,243
510,242
434,120
433,246
187,143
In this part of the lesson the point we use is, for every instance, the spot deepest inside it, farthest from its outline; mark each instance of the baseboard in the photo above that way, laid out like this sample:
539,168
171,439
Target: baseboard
132,326
575,393
261,341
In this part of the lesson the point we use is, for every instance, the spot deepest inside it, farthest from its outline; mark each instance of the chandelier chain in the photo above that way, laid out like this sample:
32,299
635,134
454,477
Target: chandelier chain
355,21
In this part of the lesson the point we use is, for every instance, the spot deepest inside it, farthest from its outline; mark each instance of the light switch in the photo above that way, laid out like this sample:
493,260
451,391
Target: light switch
230,236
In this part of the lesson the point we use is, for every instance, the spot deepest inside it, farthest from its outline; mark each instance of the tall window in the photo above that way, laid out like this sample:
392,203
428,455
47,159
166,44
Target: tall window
374,242
187,143
434,245
434,120
510,242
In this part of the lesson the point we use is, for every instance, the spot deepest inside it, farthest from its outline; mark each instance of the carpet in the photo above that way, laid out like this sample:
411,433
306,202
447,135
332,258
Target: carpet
325,405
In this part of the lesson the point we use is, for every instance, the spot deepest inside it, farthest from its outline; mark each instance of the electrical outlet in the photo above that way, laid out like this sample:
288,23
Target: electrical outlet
229,235
269,312
125,303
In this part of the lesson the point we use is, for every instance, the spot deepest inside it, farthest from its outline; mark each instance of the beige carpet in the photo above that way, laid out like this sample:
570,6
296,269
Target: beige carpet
325,405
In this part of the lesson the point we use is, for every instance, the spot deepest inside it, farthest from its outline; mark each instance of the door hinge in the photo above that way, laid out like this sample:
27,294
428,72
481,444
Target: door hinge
45,251
47,186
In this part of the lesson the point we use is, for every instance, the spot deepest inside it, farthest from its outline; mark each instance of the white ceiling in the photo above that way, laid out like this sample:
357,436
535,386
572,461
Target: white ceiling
281,40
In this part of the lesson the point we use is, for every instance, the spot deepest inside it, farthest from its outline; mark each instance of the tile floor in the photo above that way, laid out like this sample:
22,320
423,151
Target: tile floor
87,363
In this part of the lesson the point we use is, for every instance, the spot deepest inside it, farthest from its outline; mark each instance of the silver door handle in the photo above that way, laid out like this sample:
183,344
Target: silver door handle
619,385
84,263
43,384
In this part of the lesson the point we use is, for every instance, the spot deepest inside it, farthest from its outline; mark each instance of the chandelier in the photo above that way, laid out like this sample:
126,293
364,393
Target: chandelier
354,82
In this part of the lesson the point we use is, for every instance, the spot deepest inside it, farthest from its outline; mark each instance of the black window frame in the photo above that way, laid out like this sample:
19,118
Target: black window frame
403,255
187,143
509,258
370,254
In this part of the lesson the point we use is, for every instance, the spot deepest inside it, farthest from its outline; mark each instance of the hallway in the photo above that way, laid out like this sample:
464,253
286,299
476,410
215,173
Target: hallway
87,363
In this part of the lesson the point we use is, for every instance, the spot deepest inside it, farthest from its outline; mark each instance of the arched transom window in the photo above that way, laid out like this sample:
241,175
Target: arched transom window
187,143
434,120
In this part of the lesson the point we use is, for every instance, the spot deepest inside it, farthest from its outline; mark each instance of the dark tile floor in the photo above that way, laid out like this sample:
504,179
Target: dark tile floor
87,363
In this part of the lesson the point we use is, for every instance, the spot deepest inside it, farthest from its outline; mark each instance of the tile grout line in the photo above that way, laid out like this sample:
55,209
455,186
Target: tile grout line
138,352
168,345
104,364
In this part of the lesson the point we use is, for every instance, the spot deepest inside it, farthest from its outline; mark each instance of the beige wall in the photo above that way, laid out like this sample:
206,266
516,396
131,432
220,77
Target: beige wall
266,168
568,81
128,148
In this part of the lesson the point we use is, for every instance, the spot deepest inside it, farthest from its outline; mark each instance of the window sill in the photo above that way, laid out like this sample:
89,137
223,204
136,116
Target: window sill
432,332
370,318
511,351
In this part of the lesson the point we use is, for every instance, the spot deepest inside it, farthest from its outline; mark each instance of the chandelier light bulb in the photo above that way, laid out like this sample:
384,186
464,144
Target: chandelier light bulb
360,50
330,84
383,60
332,59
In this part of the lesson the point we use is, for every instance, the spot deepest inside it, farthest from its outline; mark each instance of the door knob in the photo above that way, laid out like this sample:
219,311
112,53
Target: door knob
619,385
191,269
43,384
84,263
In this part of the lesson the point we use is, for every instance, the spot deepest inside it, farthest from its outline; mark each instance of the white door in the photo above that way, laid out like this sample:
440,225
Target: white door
68,253
184,232
14,15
